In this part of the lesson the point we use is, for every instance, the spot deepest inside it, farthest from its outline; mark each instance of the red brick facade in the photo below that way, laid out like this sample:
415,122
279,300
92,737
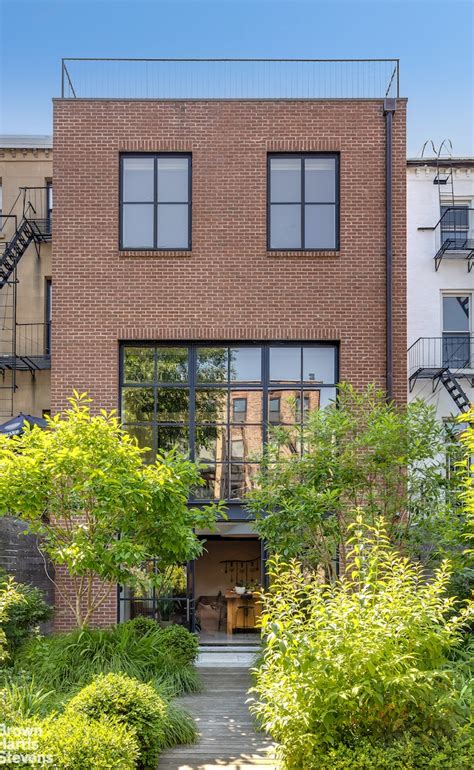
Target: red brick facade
229,287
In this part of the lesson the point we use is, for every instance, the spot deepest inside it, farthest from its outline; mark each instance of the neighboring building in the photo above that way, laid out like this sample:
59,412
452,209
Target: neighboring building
26,170
221,262
440,276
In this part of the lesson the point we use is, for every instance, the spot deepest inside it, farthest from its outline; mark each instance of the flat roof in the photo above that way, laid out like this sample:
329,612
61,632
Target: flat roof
26,141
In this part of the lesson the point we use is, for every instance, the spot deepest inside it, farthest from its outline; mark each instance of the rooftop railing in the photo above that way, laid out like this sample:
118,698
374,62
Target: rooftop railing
195,78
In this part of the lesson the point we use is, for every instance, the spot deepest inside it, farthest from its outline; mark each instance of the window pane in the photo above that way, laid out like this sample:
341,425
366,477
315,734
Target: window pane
137,226
173,437
285,180
245,364
274,409
211,444
138,404
456,314
242,480
215,483
173,179
245,443
173,226
454,217
253,406
138,179
285,227
212,365
172,364
319,365
285,364
139,364
173,405
211,405
144,438
320,227
320,180
326,397
288,400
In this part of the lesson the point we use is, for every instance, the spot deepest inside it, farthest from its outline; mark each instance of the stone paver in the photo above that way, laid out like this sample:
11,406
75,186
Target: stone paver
227,735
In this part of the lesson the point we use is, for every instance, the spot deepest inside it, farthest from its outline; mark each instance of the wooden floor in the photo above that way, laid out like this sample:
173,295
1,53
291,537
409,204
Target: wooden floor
228,738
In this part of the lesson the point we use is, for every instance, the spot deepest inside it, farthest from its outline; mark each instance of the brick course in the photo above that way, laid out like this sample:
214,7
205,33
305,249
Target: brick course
229,287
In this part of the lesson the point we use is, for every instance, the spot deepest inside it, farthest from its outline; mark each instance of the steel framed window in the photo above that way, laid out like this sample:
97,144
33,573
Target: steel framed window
303,202
155,192
192,396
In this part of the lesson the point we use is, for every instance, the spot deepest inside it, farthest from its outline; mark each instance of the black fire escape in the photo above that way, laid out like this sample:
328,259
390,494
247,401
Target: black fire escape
443,360
24,347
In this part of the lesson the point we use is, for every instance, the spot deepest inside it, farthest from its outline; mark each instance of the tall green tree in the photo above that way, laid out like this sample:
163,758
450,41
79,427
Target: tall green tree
359,454
98,511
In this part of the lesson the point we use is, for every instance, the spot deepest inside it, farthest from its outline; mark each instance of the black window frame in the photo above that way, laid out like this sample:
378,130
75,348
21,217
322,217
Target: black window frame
302,202
265,386
155,156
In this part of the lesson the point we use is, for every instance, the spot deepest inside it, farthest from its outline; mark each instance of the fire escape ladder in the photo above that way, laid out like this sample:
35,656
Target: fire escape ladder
449,381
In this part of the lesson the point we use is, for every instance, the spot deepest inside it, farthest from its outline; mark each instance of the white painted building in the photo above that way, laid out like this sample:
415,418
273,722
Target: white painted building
440,282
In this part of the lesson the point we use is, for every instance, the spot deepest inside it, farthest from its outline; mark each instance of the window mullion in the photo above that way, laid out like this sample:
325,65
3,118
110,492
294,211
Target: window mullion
303,193
155,203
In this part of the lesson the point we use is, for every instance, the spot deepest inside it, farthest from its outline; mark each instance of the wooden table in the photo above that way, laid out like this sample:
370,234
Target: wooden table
234,601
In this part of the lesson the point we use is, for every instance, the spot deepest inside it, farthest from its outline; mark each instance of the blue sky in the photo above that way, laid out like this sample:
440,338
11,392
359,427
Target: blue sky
433,38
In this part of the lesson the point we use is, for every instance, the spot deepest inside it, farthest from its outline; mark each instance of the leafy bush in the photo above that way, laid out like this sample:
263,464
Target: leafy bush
441,753
367,656
64,661
142,625
24,614
135,704
180,644
74,741
9,598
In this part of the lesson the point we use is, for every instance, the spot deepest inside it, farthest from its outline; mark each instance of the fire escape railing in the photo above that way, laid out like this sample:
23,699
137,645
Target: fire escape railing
443,360
454,236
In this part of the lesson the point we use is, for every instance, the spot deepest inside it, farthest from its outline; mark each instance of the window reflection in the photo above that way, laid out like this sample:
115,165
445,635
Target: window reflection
208,413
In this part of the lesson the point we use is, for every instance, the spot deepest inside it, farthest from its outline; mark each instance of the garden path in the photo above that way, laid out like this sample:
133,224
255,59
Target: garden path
228,739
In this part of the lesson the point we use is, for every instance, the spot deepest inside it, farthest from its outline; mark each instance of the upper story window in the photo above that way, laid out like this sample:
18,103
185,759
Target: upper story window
303,202
457,330
155,202
455,224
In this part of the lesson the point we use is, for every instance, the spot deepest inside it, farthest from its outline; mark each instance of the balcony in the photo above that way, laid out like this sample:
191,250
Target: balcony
454,233
443,360
197,78
29,350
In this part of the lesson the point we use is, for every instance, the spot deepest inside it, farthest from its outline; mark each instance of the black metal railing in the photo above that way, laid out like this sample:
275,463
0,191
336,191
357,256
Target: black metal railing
33,339
429,355
34,204
229,78
454,235
169,609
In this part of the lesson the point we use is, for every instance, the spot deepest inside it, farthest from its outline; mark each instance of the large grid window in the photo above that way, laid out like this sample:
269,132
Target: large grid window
217,403
303,202
155,202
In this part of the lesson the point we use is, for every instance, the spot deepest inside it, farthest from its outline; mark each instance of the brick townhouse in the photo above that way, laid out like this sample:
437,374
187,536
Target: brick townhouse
220,262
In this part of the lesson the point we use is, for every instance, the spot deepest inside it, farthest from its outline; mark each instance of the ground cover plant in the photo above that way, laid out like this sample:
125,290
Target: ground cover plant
366,664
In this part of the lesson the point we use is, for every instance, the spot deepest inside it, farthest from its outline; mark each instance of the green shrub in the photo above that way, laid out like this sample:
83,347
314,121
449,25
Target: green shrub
180,727
408,753
368,656
64,661
9,597
22,698
180,644
133,703
74,741
142,625
24,614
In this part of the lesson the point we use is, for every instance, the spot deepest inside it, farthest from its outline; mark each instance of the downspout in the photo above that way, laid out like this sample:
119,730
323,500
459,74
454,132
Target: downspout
389,108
